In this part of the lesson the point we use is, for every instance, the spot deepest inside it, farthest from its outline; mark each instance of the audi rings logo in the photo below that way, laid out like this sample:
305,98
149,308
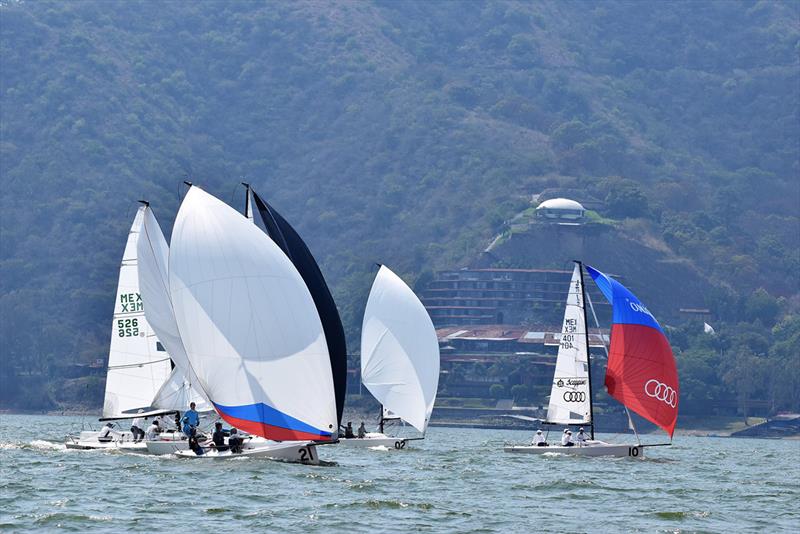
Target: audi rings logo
574,396
664,393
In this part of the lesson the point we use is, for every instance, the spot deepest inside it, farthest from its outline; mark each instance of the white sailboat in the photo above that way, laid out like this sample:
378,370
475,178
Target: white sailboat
138,366
399,359
251,332
639,356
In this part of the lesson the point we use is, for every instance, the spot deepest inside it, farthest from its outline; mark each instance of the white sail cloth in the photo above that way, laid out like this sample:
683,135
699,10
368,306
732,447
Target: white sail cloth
249,325
136,368
399,350
182,387
570,394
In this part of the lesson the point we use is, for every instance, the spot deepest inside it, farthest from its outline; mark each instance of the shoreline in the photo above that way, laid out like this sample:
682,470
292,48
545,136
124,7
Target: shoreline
715,427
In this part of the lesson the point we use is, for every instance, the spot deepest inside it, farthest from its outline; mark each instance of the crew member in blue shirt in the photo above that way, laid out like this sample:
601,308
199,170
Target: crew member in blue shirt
191,420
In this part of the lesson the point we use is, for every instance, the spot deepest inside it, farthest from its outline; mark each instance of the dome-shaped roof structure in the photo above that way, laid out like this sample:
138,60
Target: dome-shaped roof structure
560,204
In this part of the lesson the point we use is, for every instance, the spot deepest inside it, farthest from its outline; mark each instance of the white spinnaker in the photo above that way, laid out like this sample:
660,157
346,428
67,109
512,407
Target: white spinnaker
246,318
136,368
399,350
570,395
182,387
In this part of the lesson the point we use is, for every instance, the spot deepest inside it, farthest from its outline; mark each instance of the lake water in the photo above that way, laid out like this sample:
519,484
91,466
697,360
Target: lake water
455,481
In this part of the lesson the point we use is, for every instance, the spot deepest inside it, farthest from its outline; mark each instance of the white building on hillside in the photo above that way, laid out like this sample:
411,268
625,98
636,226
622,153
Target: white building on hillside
561,209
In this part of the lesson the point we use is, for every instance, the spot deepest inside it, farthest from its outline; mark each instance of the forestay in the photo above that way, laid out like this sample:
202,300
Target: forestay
249,325
641,373
399,350
570,401
136,368
153,252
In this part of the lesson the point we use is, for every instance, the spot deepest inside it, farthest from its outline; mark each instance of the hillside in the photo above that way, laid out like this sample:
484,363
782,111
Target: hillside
401,132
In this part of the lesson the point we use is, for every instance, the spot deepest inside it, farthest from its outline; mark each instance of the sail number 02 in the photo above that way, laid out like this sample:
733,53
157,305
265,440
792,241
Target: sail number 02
128,327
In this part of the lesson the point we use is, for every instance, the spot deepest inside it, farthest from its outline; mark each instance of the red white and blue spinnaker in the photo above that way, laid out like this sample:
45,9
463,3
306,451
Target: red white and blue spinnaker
641,372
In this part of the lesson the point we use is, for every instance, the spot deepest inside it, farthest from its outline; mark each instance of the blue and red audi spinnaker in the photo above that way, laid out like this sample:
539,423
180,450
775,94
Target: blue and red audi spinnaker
641,372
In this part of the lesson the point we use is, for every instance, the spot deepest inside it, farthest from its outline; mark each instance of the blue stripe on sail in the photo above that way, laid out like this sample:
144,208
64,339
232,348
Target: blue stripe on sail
627,308
263,413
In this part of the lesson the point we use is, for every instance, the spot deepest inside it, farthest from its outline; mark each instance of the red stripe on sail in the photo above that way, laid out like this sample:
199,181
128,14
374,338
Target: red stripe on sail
642,374
275,433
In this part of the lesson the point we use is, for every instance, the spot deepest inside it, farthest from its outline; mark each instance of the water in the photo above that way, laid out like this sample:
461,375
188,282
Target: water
454,481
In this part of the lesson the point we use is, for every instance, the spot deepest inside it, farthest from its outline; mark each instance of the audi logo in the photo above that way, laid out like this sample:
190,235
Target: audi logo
574,396
664,393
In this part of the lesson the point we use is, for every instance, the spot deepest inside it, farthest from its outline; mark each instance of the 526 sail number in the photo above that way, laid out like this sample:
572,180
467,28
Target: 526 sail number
128,327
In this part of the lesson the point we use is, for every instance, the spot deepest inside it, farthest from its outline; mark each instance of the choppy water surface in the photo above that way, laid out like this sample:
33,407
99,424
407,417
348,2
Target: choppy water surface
456,480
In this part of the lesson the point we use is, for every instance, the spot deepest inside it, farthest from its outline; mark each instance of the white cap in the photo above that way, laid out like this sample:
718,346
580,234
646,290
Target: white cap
538,431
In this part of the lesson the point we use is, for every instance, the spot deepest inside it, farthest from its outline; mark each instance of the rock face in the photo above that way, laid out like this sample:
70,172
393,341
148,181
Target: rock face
662,280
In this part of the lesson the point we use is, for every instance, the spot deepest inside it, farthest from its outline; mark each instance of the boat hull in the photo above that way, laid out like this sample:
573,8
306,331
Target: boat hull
594,449
375,439
86,444
288,451
173,444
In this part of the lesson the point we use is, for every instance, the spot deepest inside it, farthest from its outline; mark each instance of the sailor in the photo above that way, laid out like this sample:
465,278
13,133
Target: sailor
348,430
107,433
539,440
153,431
235,442
566,439
195,446
218,437
362,431
581,438
137,427
191,420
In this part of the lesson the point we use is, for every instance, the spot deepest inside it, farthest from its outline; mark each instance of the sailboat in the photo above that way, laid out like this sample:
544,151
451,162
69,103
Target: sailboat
138,366
293,246
251,332
641,372
399,359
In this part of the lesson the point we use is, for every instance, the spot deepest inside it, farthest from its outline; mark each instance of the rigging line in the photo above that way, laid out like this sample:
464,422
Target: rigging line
135,365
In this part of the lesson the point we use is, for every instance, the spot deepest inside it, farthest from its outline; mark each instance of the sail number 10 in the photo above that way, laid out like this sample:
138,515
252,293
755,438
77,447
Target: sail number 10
128,327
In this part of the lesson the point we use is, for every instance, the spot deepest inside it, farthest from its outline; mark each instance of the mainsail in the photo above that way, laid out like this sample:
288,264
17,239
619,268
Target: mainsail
249,325
293,246
399,350
136,366
182,387
641,373
570,396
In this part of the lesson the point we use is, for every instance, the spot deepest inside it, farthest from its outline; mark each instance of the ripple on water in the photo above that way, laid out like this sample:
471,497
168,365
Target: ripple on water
455,481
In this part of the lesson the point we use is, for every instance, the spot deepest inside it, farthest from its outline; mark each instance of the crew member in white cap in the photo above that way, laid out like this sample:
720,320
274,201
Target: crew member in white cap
539,440
566,439
581,438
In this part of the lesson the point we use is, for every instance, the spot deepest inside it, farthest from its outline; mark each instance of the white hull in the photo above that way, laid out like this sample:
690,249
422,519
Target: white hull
173,443
596,448
375,439
89,441
288,451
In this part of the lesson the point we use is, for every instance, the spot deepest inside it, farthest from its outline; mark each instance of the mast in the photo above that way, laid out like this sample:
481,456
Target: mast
588,352
248,208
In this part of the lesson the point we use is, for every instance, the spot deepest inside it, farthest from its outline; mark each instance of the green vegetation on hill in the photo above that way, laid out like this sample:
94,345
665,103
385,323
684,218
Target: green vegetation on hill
401,132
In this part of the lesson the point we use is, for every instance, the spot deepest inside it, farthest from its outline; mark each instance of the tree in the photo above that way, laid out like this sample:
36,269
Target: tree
497,391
